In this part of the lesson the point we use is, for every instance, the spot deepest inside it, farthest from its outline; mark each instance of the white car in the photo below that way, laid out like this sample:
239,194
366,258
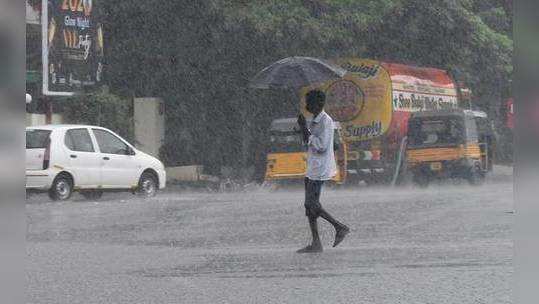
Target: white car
61,159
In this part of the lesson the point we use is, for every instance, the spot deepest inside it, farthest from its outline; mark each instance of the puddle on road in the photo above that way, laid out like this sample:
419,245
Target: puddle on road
290,265
463,264
251,274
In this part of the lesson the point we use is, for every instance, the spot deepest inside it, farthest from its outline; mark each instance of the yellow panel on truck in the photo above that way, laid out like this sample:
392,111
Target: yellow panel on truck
360,101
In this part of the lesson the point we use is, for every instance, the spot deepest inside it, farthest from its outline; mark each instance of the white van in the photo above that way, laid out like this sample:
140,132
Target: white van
61,159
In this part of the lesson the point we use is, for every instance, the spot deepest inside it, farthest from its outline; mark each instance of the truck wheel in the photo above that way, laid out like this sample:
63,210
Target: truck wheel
271,185
476,178
371,180
62,188
147,186
378,179
422,180
92,194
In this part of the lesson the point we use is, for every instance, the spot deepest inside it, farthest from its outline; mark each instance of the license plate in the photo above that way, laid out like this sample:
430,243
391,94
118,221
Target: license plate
436,166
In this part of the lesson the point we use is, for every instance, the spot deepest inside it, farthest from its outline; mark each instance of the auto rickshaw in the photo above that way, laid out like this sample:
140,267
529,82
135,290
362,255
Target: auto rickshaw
287,155
449,144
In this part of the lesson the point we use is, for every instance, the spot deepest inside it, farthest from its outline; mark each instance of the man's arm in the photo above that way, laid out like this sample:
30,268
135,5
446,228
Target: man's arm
305,133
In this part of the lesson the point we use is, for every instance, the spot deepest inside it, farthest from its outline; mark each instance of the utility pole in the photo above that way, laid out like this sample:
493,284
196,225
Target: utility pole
48,109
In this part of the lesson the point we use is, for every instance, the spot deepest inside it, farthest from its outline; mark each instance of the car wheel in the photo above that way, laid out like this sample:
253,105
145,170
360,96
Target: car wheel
62,188
92,194
147,186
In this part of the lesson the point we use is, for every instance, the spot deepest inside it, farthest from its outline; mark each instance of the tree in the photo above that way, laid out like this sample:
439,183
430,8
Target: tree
199,56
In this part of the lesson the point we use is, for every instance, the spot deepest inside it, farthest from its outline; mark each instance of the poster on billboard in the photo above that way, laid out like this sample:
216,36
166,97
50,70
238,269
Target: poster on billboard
72,47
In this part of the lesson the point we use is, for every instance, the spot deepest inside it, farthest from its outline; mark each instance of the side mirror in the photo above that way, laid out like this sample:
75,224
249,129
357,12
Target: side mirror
130,151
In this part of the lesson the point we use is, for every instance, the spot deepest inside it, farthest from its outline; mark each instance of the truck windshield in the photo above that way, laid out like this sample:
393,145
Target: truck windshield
285,142
429,132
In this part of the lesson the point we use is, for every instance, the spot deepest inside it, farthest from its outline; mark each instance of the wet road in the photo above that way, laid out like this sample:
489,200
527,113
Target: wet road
445,244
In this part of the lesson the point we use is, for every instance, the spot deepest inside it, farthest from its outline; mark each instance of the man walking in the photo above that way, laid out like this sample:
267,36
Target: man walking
320,167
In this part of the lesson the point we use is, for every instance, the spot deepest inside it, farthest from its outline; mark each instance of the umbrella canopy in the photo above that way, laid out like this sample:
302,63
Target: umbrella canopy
296,72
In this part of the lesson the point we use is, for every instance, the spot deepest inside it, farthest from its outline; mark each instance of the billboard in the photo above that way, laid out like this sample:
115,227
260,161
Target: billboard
72,46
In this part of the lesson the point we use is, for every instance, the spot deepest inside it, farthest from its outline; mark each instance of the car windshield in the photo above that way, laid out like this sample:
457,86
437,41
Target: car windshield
435,131
37,139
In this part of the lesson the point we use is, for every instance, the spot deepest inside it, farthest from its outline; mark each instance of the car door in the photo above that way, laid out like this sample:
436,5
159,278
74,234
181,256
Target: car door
119,168
84,161
37,142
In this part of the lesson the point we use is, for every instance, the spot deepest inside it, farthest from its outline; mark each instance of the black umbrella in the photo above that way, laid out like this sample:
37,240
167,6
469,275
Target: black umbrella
295,73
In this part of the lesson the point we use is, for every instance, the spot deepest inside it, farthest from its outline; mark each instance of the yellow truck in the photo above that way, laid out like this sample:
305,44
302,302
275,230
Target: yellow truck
287,156
372,103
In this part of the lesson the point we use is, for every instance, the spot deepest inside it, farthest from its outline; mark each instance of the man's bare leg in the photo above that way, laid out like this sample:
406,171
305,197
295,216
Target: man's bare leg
313,223
316,245
341,230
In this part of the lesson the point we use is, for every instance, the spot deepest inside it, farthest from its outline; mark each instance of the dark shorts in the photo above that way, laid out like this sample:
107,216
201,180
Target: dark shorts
312,197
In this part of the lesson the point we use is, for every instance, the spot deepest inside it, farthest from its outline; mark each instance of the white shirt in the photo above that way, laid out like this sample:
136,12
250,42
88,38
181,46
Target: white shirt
320,156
